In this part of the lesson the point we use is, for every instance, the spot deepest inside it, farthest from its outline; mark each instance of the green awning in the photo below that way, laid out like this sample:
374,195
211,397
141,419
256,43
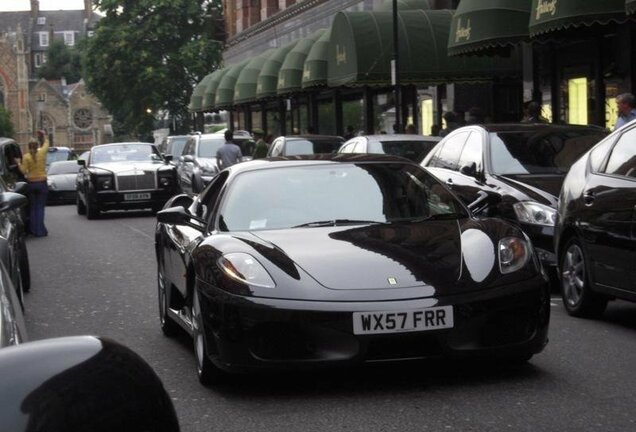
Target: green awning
552,15
361,46
245,87
225,90
315,68
488,25
267,82
387,5
197,94
209,95
290,75
630,7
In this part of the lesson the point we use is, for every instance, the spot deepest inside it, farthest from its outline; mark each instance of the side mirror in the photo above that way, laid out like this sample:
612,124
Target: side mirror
12,201
21,187
484,201
81,162
179,216
168,157
105,386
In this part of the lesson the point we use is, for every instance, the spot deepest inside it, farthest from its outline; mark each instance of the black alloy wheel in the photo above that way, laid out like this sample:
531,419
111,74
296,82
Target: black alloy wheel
208,373
92,211
578,298
81,208
168,326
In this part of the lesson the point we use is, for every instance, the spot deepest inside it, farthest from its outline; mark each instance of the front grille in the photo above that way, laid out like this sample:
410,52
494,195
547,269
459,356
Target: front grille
132,180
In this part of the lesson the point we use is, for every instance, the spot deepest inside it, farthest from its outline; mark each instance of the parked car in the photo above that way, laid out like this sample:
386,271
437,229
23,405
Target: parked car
9,152
197,164
299,273
244,140
81,383
12,326
13,250
413,147
595,236
56,154
61,178
516,170
124,176
173,145
295,145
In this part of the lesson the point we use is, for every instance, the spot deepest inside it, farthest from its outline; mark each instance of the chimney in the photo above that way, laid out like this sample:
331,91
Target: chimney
88,9
35,8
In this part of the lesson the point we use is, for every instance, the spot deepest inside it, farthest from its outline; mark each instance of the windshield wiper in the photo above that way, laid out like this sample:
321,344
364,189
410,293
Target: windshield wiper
336,222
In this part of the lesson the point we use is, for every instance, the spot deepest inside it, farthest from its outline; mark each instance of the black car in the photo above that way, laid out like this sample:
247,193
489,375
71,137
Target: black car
295,145
516,170
410,146
339,260
9,152
124,176
61,178
595,236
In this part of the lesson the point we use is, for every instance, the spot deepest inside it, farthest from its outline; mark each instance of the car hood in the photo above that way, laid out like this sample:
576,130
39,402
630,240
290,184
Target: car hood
63,181
541,188
126,167
209,163
375,256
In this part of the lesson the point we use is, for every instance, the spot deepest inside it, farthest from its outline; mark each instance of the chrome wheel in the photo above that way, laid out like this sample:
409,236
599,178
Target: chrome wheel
207,372
573,275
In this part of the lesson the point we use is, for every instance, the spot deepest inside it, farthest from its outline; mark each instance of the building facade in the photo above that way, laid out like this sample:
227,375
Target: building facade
72,116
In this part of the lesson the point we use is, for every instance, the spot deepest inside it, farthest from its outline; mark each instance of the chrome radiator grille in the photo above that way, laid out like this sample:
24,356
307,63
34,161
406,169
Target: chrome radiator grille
138,180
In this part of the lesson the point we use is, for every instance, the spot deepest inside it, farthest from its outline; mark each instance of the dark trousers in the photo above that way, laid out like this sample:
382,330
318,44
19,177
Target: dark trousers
37,197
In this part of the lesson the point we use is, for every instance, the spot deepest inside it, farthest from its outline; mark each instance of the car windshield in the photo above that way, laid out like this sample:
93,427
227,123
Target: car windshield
176,145
306,146
209,146
414,150
67,167
125,153
55,155
540,152
309,196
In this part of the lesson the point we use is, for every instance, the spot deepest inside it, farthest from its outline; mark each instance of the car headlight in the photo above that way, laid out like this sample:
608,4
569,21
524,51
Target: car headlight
535,213
245,268
51,184
165,181
514,253
105,183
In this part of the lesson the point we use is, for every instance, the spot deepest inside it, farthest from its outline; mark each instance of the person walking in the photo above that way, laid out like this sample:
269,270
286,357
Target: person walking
626,105
229,153
260,150
534,114
451,123
33,166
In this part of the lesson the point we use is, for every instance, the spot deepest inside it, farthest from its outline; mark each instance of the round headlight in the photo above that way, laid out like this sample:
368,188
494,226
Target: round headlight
164,181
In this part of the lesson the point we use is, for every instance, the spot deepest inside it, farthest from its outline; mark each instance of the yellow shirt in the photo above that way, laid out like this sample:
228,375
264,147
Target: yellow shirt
34,169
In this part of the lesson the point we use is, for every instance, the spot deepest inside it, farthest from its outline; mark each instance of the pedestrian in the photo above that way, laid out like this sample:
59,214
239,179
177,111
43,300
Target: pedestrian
533,114
435,130
260,150
33,167
410,129
451,123
349,134
626,105
229,153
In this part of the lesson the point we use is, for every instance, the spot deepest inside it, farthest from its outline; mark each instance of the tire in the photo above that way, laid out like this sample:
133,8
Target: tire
578,298
81,208
92,211
206,371
168,326
24,267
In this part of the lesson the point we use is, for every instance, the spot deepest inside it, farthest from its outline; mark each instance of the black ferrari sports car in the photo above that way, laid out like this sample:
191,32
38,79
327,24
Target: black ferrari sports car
340,259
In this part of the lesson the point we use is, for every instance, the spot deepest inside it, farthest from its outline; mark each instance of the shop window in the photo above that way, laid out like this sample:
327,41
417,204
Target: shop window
577,101
611,110
426,109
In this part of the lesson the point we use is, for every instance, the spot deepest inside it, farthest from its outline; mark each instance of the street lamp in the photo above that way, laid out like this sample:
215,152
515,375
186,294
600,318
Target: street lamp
395,71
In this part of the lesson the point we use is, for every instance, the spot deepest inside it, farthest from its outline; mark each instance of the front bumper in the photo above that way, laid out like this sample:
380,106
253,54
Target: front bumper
542,238
247,333
56,196
114,200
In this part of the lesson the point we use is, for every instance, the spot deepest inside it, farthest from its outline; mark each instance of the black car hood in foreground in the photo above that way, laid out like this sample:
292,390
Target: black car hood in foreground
398,260
543,188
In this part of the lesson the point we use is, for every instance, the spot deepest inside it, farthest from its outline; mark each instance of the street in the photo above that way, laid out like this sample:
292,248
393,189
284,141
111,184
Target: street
99,277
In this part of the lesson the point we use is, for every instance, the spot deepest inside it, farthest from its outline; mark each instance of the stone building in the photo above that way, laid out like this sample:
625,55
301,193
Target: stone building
72,116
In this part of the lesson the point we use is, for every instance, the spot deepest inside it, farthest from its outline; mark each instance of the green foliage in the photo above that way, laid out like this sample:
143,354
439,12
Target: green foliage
62,61
6,126
149,54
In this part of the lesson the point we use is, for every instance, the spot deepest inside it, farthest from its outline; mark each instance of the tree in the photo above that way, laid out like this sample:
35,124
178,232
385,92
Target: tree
147,55
6,126
62,61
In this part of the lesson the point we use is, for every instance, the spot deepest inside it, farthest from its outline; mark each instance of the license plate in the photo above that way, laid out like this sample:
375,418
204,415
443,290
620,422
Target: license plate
136,196
403,321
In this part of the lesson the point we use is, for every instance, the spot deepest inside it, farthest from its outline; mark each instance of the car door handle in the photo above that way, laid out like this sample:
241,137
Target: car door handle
588,198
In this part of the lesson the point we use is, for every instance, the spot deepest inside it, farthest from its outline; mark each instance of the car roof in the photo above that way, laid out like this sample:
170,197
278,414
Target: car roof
68,162
529,127
313,137
122,143
56,149
402,137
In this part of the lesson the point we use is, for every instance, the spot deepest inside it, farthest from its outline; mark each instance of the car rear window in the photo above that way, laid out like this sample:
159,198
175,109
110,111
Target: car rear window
209,146
414,150
540,151
305,146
